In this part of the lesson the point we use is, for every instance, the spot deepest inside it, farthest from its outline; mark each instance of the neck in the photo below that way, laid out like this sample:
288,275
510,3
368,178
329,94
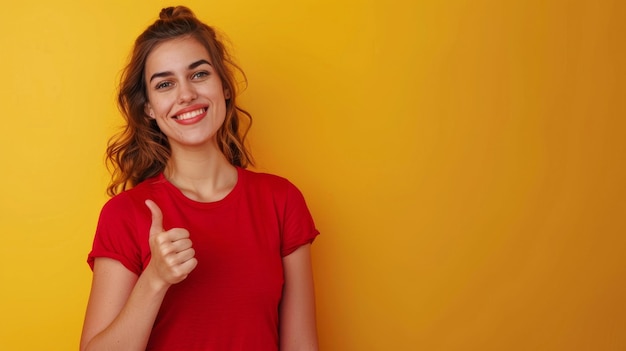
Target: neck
202,174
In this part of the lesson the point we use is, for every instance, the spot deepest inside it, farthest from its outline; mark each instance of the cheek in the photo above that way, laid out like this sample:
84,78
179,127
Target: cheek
159,103
160,108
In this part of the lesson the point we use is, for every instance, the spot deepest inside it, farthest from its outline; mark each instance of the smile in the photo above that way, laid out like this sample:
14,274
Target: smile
190,114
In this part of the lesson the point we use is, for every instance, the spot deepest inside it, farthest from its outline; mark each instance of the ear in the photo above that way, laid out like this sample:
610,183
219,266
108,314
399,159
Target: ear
226,93
148,110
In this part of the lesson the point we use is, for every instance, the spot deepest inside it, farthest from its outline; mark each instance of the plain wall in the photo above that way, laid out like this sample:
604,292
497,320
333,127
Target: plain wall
464,161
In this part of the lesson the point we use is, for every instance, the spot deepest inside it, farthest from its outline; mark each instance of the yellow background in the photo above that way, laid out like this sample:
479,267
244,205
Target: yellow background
464,161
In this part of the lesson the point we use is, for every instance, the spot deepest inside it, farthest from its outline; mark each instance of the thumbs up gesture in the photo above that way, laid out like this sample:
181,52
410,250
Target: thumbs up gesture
172,253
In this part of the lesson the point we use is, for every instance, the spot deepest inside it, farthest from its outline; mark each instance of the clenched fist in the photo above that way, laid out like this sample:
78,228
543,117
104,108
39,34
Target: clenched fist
172,252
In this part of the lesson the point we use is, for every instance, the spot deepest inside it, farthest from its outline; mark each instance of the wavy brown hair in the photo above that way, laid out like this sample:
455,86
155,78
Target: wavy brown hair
141,150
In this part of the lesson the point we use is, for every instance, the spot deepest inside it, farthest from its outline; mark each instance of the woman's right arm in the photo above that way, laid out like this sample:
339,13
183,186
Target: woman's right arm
122,306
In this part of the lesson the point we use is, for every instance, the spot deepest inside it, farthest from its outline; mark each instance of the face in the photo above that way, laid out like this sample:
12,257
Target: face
185,93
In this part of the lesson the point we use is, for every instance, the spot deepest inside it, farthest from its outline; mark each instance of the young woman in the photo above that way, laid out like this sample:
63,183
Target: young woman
193,251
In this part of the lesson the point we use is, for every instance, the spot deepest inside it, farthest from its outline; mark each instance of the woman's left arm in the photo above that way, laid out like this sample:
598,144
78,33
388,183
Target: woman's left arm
298,330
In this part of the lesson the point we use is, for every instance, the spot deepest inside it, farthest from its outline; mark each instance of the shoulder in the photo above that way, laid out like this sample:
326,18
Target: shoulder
279,190
126,215
266,179
123,229
266,182
127,202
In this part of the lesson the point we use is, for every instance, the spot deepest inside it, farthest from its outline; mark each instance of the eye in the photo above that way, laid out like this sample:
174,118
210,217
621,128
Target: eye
200,75
163,85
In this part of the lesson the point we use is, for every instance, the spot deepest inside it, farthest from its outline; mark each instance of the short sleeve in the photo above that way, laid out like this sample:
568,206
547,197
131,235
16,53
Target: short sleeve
298,227
116,235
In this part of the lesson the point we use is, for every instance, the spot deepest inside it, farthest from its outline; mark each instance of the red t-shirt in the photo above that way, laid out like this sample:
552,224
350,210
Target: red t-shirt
230,300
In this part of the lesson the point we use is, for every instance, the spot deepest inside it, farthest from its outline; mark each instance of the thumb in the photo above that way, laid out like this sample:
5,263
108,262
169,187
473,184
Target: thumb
156,225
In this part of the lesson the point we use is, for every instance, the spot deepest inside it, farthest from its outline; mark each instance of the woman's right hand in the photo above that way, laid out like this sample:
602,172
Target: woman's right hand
172,252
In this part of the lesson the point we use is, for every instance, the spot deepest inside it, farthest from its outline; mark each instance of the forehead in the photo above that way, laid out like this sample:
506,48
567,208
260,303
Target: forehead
175,54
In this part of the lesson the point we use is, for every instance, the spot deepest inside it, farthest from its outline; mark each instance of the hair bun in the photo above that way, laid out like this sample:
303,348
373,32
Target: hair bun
169,13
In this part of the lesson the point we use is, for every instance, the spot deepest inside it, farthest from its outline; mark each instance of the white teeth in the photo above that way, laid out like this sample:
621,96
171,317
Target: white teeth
190,114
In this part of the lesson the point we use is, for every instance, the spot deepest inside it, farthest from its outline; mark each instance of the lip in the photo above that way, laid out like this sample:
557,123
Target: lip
192,120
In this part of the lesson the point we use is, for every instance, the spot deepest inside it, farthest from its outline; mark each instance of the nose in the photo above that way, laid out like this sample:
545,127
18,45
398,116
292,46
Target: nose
186,92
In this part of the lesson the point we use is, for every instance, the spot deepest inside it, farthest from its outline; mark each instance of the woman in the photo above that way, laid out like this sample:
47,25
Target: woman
193,252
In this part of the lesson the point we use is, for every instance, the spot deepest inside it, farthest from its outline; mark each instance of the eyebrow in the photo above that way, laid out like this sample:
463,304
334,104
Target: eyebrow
191,66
